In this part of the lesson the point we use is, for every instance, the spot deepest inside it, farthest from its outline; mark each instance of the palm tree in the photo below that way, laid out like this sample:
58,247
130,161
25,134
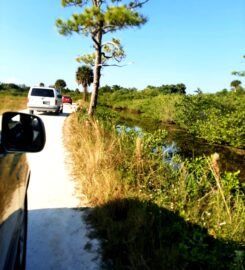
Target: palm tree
84,76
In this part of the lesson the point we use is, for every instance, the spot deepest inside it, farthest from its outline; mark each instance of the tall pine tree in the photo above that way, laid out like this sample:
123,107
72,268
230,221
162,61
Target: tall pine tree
98,18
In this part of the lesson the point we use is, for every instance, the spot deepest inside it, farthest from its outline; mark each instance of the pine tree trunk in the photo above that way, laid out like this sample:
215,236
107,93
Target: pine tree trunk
97,73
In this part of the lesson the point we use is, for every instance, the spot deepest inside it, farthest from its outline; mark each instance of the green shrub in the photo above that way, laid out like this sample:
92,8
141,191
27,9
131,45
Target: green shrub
216,118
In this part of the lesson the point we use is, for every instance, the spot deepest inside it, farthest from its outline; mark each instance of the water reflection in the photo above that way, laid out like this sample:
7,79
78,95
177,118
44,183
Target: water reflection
187,146
169,151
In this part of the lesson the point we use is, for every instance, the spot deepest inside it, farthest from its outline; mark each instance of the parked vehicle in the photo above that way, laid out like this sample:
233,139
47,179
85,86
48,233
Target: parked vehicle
44,99
66,99
20,133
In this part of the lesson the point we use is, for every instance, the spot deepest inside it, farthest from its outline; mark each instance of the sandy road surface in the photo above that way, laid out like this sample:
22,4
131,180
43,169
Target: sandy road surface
57,234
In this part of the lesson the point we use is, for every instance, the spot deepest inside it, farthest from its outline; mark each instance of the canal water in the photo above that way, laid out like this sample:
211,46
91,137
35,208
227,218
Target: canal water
187,146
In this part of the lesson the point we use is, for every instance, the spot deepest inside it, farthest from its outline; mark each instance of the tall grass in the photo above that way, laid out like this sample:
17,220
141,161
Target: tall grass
12,103
152,214
96,155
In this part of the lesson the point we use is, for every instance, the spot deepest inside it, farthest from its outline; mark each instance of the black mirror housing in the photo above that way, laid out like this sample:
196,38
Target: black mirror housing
22,132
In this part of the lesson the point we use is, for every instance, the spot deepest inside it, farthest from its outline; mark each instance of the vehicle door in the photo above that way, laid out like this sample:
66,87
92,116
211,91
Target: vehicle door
14,174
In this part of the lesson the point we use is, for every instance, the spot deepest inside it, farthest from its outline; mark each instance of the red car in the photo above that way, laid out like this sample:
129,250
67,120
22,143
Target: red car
66,99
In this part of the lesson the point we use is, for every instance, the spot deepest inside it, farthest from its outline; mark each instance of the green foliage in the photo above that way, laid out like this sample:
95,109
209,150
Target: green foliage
102,13
161,108
239,73
230,181
117,17
72,2
108,118
87,59
150,102
102,17
154,141
216,118
169,89
199,179
60,84
84,76
236,83
229,128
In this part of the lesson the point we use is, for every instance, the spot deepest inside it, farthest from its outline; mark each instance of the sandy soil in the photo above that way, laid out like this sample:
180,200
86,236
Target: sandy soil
57,233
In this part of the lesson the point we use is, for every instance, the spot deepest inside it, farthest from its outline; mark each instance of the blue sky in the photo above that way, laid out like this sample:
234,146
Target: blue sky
195,42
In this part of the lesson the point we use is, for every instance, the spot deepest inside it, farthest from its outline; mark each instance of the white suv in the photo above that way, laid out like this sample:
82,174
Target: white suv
44,99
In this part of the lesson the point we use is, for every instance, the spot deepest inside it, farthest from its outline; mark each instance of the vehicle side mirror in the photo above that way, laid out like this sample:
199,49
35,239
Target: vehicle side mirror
22,132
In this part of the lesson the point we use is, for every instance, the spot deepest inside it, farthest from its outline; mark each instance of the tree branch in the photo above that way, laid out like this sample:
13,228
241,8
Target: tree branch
72,3
136,4
113,65
95,41
106,56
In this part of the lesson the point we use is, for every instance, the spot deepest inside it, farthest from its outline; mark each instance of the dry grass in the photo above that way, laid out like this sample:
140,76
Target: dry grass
95,156
12,103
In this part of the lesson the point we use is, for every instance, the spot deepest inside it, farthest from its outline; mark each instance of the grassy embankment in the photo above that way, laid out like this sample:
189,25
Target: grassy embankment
150,214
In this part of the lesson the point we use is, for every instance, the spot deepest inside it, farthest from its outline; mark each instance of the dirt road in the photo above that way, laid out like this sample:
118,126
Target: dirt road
57,233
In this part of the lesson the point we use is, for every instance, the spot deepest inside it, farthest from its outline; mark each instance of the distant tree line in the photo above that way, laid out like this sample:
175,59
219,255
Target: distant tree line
13,86
13,89
169,88
163,89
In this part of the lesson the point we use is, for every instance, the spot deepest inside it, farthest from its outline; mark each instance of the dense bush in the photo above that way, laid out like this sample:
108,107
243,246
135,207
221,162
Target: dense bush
216,118
150,103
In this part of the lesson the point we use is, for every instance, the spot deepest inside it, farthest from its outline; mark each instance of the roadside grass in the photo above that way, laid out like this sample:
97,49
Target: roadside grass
97,171
151,214
12,103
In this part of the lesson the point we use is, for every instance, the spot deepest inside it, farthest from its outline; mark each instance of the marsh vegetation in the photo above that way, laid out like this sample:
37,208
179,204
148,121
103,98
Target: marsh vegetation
152,214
